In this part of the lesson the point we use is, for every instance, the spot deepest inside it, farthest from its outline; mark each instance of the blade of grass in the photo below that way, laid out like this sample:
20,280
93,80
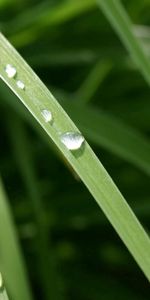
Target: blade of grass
97,75
50,17
103,130
17,107
120,21
49,277
37,97
64,58
45,14
11,260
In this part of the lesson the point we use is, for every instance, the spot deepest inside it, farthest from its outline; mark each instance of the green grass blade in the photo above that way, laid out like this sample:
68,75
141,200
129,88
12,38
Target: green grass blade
37,97
11,261
96,77
103,130
67,57
49,277
120,21
58,15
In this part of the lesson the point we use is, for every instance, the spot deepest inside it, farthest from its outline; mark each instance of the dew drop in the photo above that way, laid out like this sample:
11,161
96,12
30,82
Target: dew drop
10,71
20,85
47,115
72,140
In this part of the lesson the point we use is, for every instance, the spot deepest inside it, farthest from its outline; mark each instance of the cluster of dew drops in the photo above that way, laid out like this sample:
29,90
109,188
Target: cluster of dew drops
72,140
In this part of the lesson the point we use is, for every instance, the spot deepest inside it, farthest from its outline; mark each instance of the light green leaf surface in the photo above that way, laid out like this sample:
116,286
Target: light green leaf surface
3,295
36,97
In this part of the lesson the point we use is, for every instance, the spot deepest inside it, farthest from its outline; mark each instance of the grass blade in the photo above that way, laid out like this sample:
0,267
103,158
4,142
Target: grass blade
37,97
120,21
49,277
60,14
11,260
96,77
103,130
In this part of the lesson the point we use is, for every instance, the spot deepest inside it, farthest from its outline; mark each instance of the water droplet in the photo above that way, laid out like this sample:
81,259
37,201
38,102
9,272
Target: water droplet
72,140
47,115
11,71
20,85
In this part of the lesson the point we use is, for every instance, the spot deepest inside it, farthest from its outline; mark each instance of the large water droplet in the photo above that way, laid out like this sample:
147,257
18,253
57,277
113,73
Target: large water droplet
11,71
72,140
20,85
47,115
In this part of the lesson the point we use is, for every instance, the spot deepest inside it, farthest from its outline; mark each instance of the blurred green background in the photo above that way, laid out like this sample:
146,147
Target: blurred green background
70,249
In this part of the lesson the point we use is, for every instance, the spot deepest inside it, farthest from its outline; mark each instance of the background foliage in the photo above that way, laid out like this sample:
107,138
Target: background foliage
75,51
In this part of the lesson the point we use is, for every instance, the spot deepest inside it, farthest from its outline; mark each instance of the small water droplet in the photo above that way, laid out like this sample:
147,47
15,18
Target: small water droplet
72,140
47,115
20,85
10,70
